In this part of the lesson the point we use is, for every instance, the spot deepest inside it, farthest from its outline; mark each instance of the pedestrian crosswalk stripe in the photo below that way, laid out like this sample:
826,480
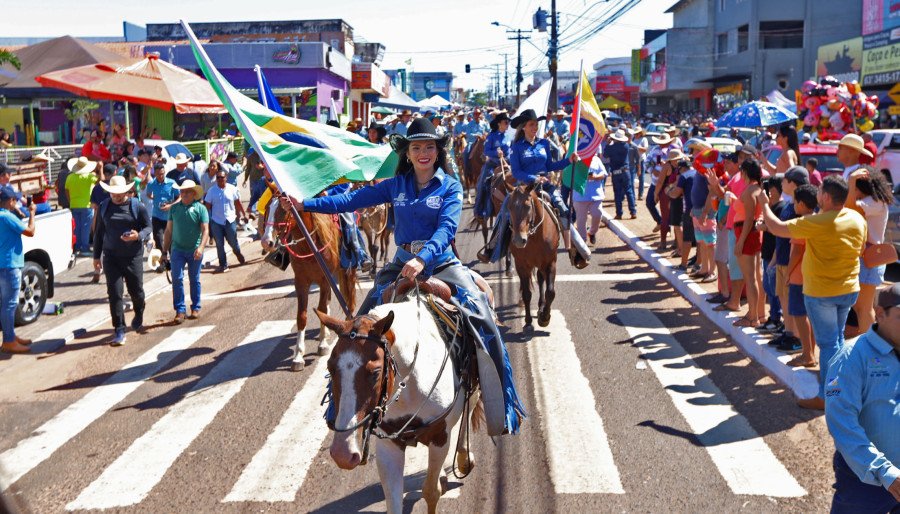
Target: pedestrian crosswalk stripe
53,434
278,469
132,476
742,457
580,458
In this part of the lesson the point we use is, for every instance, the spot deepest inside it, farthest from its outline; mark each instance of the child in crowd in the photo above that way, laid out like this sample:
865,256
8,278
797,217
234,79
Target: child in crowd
793,178
773,323
815,176
805,203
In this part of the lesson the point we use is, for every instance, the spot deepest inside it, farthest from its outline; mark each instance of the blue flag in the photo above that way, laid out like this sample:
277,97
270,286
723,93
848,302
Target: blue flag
266,96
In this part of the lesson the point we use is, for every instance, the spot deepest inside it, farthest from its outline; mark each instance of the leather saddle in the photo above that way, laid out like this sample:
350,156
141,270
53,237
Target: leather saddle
433,286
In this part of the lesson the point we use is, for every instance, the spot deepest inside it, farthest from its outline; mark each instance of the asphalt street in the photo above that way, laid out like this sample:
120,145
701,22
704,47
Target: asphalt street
636,403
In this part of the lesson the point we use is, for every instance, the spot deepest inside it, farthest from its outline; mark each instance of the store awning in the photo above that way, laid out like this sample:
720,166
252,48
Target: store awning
398,100
725,79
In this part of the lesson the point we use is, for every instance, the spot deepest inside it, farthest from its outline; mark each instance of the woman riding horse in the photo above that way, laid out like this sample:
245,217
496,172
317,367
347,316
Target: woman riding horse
427,205
496,147
530,161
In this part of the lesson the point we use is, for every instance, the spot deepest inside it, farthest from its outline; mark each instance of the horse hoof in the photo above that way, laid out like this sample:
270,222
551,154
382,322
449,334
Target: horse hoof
528,327
463,464
298,366
444,484
543,322
324,350
509,273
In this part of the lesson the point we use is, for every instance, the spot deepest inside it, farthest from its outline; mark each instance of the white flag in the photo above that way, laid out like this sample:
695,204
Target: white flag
538,101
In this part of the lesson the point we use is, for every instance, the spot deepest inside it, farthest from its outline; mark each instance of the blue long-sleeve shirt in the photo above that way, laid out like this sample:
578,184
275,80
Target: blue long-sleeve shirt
431,215
474,129
529,160
862,408
496,140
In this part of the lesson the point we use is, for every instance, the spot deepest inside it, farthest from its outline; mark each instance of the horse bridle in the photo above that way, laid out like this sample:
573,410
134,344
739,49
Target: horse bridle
371,422
532,227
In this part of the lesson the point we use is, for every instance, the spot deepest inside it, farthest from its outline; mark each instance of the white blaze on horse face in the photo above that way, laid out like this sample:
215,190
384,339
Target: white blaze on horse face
345,446
267,240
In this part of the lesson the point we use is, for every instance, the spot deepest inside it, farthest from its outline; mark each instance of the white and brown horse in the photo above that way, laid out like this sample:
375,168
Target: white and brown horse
280,227
372,358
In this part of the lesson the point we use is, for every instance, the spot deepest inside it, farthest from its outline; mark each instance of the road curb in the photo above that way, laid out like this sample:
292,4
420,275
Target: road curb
803,382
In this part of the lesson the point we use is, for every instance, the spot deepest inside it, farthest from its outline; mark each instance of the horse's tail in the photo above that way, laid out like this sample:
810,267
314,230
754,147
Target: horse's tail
478,416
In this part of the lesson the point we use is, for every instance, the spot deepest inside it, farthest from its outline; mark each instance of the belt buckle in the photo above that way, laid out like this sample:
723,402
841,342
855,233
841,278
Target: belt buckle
416,246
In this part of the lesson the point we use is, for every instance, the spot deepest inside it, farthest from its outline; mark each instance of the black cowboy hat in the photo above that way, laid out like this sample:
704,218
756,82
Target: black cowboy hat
419,130
526,116
497,119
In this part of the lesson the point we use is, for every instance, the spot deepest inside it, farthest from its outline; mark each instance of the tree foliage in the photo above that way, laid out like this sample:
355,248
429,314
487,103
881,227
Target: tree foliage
9,57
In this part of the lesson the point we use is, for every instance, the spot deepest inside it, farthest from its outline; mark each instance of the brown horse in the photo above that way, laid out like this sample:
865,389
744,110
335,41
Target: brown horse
373,221
469,174
535,238
326,234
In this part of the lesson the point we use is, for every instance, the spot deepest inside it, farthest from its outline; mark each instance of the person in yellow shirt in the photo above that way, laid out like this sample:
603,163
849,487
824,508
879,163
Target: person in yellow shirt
834,241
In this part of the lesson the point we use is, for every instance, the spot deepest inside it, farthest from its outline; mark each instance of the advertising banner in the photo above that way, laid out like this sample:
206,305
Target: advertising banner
842,60
881,65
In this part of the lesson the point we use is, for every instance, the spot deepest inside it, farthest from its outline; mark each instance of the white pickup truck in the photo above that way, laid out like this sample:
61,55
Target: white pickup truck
888,158
47,254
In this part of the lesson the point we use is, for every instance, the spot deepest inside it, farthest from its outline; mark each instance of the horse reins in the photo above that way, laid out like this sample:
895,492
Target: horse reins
371,422
283,234
533,228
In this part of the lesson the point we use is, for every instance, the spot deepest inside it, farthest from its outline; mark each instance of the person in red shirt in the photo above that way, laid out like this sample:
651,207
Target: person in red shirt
865,160
94,149
815,176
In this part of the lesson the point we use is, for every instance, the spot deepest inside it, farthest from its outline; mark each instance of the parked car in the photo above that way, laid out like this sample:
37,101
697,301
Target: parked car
888,157
722,144
893,225
657,128
825,154
47,254
746,133
172,148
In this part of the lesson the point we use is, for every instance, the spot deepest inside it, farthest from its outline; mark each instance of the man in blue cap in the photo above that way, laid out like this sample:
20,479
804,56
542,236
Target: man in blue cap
12,260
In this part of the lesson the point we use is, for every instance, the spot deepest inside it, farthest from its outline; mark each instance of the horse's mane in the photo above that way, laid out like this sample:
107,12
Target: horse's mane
325,229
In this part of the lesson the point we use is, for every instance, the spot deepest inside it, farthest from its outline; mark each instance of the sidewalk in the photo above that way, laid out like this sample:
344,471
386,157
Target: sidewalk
638,234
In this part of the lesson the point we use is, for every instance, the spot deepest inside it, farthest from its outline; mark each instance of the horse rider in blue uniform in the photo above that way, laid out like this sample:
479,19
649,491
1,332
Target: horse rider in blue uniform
531,162
474,128
427,206
496,147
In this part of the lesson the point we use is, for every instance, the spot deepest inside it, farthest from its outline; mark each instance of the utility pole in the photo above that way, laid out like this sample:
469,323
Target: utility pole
505,73
553,54
518,37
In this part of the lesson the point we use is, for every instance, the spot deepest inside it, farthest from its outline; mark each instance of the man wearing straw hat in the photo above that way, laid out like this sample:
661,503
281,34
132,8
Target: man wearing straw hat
850,149
123,226
187,233
181,171
78,191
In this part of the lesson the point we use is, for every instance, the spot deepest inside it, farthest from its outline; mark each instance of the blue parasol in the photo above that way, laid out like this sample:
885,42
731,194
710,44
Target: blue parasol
756,114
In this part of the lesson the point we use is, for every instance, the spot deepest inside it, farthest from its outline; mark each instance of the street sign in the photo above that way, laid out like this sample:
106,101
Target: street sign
894,110
894,93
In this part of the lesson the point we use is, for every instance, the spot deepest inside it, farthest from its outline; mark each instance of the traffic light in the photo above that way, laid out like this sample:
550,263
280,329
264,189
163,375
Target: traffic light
468,68
539,20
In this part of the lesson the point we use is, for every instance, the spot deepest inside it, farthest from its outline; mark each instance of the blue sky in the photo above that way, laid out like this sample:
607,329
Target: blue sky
436,36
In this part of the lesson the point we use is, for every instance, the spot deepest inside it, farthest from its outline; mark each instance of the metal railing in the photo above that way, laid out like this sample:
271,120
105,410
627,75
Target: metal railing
205,148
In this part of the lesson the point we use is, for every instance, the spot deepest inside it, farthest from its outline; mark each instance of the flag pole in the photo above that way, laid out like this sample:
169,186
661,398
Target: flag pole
262,156
576,121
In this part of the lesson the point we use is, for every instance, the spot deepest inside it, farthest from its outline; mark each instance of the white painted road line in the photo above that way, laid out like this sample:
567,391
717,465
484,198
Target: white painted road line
578,450
281,290
50,436
742,457
132,476
279,468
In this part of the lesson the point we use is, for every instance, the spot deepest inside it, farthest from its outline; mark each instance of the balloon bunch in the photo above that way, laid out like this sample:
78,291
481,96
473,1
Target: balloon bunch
834,109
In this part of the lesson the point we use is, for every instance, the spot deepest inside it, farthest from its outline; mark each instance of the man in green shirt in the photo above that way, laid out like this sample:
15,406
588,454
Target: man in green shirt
187,233
79,184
